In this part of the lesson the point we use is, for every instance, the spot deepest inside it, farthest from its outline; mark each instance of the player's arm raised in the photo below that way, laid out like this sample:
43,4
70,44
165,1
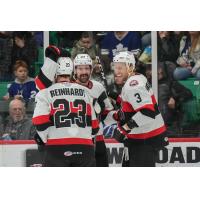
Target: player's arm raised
47,72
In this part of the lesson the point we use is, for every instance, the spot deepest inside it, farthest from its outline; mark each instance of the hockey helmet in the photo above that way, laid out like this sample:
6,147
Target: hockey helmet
82,59
125,57
65,66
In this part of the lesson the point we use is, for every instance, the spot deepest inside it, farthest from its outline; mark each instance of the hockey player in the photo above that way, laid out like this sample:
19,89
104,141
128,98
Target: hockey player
65,121
82,73
140,124
46,77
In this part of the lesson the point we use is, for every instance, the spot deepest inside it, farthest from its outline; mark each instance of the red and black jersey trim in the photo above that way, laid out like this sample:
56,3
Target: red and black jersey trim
149,134
39,84
95,131
99,138
43,127
42,80
95,127
41,119
155,105
42,122
148,113
69,141
101,99
95,123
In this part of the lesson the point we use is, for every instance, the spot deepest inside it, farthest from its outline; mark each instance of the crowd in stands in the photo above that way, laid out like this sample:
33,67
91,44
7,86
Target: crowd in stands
178,59
17,126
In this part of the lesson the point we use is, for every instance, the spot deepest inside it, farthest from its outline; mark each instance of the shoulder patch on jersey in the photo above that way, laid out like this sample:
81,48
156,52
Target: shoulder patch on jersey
90,84
133,83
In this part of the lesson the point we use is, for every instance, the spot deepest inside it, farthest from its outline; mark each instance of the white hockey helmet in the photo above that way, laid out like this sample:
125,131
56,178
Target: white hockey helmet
65,66
82,59
125,57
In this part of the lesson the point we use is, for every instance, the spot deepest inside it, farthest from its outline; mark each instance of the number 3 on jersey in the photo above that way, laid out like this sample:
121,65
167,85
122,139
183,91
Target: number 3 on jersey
139,99
71,113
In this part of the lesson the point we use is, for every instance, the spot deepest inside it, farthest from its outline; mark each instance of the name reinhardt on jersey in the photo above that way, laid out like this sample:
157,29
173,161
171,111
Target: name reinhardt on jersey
64,114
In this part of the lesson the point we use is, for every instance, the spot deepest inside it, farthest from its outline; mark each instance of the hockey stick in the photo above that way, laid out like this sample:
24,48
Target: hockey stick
102,72
105,81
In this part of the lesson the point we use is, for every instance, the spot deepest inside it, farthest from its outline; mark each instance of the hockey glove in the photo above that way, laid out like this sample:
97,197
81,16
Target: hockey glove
120,134
53,52
112,95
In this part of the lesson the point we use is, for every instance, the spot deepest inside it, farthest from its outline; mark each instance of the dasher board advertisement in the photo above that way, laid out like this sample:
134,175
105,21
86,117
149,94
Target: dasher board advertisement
181,152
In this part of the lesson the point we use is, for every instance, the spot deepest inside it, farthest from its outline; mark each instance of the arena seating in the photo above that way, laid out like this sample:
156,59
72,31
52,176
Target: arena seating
191,108
3,88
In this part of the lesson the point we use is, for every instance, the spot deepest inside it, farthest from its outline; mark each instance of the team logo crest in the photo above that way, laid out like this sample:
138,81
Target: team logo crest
67,64
133,83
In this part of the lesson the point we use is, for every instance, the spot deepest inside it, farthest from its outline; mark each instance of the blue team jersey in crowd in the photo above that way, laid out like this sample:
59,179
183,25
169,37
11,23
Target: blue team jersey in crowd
27,89
111,44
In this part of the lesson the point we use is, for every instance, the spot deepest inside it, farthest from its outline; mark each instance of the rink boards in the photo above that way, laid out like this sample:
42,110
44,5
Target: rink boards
181,152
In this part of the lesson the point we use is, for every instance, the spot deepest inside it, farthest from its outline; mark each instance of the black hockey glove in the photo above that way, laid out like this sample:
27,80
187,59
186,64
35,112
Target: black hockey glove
38,140
53,52
120,134
112,95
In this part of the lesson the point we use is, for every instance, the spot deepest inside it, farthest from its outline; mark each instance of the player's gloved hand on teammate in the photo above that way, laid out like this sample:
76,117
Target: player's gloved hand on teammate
112,95
54,53
120,134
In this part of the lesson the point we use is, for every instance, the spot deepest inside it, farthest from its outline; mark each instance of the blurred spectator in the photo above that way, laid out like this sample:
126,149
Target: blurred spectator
116,41
99,36
166,100
146,39
24,48
39,38
145,56
17,126
5,56
87,45
168,45
189,58
66,39
23,86
121,41
102,76
170,93
144,61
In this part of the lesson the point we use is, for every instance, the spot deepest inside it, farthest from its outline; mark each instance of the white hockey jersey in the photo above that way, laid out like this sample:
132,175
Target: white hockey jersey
64,114
45,79
46,75
137,96
98,92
